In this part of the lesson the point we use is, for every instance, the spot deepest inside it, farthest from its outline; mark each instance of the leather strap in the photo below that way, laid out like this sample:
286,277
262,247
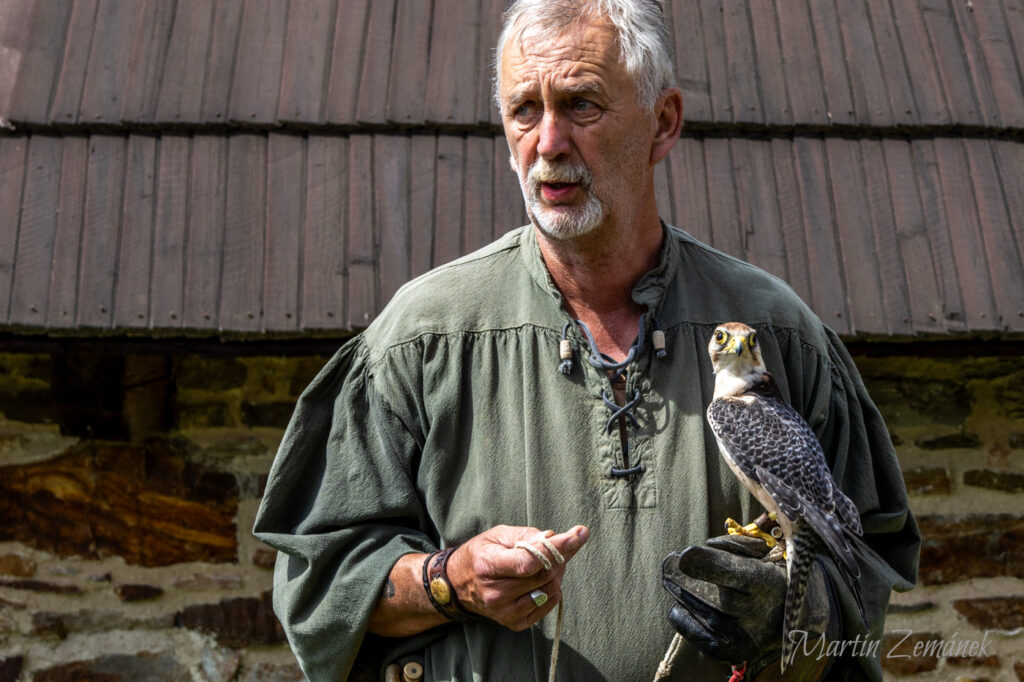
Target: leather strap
439,587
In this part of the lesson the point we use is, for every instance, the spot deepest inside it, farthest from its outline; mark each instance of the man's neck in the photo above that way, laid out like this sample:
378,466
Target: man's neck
596,275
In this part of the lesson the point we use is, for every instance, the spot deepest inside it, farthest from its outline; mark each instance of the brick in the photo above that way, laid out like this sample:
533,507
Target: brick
952,441
132,593
118,668
144,502
927,480
40,586
239,622
974,661
992,613
275,414
919,607
10,668
210,374
17,565
960,547
898,653
1005,481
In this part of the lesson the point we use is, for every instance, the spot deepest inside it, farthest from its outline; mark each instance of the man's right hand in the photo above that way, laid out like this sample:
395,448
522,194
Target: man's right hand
491,577
494,579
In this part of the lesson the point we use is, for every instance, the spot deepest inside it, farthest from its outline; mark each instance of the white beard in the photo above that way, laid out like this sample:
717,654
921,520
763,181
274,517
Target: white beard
561,221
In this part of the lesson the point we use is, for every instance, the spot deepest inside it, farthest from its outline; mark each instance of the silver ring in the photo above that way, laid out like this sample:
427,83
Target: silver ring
539,598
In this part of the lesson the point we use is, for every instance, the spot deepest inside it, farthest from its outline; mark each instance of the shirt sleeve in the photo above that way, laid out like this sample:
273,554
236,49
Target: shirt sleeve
341,508
864,464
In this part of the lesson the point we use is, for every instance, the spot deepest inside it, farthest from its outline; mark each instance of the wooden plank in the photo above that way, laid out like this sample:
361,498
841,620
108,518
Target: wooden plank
31,286
66,241
256,85
448,203
101,231
829,49
717,60
117,24
509,206
306,48
895,298
477,228
137,280
373,86
180,96
975,58
361,256
856,238
40,62
283,261
410,57
758,205
938,228
67,94
490,28
323,271
895,76
865,73
726,230
13,155
802,71
828,294
684,21
744,96
347,61
1010,164
170,233
422,157
918,268
206,221
146,67
690,189
791,218
391,211
220,71
976,283
15,33
241,279
927,87
1000,69
949,55
774,88
1001,248
1013,10
454,35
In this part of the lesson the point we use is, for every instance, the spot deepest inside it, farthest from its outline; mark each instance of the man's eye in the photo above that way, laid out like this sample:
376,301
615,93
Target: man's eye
522,111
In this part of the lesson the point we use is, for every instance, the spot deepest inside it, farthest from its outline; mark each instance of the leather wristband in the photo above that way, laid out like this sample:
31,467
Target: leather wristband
439,587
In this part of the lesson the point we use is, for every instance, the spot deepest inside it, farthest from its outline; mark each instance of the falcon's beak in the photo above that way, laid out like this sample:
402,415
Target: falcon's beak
737,346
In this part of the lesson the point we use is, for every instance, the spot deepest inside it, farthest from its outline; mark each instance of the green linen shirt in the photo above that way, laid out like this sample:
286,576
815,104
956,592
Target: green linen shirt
448,415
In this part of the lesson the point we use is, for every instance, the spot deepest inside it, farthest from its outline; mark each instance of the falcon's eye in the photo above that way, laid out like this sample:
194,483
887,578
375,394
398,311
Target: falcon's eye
719,337
752,340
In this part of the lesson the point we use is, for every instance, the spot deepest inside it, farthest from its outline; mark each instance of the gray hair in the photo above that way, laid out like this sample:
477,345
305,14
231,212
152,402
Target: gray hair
645,46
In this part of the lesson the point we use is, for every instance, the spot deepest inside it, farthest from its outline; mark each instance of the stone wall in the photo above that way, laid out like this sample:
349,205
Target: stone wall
129,483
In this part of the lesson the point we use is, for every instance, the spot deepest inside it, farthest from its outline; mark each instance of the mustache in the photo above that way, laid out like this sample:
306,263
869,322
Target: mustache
543,171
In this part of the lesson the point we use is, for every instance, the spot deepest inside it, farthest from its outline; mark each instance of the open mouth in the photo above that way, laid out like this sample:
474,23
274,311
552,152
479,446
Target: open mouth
553,191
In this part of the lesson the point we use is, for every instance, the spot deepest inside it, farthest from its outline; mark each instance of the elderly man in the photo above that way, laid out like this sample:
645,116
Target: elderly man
556,380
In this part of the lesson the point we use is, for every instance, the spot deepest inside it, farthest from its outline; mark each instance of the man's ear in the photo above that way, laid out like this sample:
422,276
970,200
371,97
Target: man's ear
669,113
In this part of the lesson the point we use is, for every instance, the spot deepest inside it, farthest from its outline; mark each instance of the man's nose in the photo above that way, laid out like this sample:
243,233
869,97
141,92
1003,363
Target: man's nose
554,136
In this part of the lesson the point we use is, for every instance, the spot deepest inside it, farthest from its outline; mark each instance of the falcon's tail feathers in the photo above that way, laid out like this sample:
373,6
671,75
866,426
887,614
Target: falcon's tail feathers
802,548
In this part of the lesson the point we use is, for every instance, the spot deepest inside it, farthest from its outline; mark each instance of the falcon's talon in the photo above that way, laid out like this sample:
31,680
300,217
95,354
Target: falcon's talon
751,530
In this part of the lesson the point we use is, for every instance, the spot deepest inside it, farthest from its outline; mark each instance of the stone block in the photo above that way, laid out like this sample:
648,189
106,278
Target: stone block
264,558
144,502
1016,441
274,414
974,661
132,593
89,620
992,613
238,623
30,405
1018,669
1009,394
118,668
269,672
917,401
210,374
899,656
219,665
208,581
10,668
927,480
952,441
40,586
959,547
1004,481
919,607
17,565
204,414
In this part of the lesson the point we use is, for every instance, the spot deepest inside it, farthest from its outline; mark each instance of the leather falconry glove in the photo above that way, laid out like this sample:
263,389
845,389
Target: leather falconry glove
729,605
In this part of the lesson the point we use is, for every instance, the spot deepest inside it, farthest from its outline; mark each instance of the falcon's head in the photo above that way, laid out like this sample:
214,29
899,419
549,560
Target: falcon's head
736,358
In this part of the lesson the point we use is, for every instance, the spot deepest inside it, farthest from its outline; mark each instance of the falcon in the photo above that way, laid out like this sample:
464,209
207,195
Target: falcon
777,457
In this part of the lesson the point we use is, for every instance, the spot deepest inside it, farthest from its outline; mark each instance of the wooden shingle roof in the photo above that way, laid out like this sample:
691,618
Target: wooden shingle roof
269,168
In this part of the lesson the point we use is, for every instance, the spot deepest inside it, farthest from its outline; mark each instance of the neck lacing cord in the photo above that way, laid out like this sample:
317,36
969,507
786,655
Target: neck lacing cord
605,364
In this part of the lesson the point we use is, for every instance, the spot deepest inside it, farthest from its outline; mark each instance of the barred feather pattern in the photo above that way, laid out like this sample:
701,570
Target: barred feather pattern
800,557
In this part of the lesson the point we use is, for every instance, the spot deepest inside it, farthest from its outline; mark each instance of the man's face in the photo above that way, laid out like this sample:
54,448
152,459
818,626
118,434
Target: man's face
580,144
